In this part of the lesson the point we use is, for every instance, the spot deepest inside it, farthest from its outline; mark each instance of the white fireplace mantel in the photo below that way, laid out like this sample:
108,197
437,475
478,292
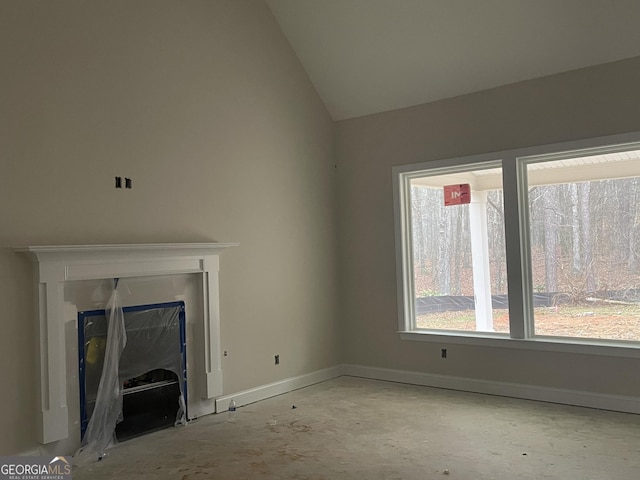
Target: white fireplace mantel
55,265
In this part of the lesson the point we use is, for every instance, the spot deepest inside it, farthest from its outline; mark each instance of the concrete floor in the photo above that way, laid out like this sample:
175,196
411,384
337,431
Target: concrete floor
351,428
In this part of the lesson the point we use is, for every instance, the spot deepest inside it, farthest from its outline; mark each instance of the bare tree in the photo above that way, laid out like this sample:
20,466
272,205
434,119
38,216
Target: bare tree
551,224
584,190
575,229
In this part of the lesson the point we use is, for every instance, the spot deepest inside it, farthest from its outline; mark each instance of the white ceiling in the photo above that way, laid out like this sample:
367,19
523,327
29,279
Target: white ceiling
369,56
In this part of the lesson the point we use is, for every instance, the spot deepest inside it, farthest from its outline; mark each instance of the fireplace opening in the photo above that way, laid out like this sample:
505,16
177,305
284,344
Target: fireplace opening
152,367
148,404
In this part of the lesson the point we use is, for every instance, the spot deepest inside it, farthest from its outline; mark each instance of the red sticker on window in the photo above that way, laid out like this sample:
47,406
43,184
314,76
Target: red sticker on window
457,194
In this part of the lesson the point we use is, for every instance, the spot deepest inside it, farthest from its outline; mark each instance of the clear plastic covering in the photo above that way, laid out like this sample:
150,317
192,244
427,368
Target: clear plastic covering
108,406
132,352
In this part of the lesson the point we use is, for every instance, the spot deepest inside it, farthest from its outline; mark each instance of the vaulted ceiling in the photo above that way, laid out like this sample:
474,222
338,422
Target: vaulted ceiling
369,56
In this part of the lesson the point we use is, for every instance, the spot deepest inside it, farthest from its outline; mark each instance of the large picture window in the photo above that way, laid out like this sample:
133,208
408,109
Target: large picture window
544,246
458,255
584,226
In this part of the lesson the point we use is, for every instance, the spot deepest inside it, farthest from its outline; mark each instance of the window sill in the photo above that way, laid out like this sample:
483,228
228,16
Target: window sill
608,348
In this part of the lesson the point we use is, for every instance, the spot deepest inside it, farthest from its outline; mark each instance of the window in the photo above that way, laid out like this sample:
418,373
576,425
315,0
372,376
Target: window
584,224
538,245
458,257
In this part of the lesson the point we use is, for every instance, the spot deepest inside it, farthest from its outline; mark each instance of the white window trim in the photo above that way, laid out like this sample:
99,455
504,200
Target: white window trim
514,165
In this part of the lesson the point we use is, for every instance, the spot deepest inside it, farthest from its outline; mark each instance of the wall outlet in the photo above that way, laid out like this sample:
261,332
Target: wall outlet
277,359
443,353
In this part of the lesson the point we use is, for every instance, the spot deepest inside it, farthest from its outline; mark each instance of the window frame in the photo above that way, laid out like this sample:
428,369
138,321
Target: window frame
516,210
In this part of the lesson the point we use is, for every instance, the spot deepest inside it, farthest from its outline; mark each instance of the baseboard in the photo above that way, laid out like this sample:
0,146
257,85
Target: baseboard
618,403
262,392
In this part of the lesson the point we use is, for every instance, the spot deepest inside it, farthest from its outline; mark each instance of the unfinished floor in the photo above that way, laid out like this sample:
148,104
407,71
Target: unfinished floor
353,428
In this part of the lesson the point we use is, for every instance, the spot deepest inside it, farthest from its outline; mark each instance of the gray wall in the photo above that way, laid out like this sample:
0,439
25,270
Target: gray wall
586,103
205,106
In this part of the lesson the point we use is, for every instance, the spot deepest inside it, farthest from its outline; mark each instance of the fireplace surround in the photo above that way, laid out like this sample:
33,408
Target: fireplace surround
68,277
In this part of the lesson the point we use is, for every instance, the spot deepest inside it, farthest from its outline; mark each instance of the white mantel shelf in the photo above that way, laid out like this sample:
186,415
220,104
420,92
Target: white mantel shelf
127,247
73,253
55,265
89,262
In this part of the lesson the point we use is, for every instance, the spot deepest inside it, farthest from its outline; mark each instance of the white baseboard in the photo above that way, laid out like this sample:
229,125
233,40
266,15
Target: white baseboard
262,392
618,403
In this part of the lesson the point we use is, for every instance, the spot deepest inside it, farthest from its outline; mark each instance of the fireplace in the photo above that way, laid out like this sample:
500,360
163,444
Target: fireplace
72,279
152,368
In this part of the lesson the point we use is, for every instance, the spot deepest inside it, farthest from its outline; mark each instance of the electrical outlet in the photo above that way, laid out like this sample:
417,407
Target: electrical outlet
443,353
277,359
